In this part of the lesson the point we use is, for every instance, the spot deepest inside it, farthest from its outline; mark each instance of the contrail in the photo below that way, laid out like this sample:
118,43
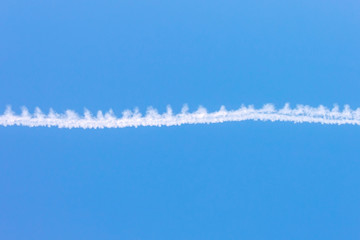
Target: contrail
70,119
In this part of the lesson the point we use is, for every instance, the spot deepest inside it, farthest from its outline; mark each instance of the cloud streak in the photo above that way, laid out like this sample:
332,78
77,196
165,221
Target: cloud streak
70,119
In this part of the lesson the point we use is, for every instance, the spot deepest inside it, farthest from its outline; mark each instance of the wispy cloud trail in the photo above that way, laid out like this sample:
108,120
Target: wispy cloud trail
70,119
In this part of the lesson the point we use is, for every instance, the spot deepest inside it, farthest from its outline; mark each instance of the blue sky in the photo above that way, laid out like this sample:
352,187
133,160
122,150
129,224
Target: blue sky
247,180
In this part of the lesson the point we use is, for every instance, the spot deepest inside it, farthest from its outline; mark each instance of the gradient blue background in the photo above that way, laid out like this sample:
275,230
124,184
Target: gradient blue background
247,180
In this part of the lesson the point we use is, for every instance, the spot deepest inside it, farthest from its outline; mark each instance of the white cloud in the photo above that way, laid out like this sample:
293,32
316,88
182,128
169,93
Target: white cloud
70,119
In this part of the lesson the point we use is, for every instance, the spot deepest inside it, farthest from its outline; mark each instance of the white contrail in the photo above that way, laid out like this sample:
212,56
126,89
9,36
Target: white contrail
70,119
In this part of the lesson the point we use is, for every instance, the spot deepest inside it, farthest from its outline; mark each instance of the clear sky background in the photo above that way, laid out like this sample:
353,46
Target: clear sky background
247,180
